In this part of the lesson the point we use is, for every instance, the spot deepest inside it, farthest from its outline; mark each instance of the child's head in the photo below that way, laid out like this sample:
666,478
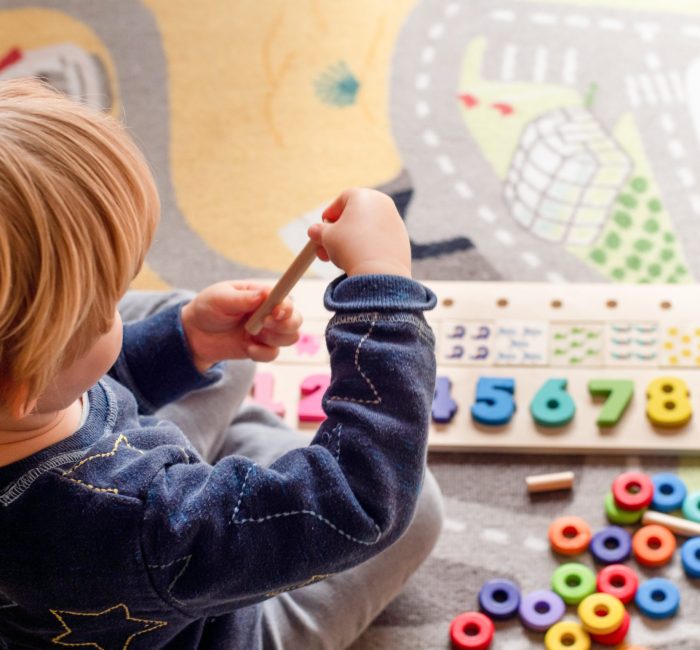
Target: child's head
78,210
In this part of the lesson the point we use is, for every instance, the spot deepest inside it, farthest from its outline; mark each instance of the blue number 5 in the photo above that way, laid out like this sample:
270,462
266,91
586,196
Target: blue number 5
494,404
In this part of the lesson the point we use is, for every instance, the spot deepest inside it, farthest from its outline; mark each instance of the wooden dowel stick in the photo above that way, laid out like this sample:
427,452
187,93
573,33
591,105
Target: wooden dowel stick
677,525
284,285
547,482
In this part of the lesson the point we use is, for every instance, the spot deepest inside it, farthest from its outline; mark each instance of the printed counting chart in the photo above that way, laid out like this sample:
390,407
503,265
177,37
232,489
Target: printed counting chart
541,368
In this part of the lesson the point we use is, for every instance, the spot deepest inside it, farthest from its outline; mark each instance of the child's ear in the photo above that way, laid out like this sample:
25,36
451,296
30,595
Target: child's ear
21,406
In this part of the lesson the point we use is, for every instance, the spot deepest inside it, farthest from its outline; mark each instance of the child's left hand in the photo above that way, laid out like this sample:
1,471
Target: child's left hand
214,319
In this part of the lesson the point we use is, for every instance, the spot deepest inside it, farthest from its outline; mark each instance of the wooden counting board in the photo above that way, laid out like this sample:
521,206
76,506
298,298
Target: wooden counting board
533,367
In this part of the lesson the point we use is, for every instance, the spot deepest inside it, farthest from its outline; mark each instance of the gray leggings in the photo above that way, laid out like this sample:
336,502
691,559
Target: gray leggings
330,614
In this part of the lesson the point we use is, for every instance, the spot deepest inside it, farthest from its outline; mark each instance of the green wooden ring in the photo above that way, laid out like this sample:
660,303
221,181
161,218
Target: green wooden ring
620,516
573,582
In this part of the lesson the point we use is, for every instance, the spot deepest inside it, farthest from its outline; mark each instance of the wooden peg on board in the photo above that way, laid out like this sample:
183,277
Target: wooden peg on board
283,286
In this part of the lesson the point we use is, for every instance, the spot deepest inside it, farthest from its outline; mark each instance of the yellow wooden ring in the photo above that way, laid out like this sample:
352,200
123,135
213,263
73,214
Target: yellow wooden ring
601,613
567,635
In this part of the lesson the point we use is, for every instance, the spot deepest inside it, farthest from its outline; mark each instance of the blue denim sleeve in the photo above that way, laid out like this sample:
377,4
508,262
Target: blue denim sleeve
155,363
225,536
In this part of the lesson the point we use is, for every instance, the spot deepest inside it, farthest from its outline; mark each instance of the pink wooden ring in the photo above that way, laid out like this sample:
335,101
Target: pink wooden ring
633,490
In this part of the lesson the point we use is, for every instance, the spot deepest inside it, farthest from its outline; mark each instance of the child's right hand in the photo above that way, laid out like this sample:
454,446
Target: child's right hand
363,233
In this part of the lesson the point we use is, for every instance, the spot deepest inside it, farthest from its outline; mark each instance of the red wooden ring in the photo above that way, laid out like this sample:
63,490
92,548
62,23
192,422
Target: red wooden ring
618,580
653,545
633,500
618,636
569,535
471,631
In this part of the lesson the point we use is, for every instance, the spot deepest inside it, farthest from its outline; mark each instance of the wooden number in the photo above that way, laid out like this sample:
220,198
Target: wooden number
312,389
494,404
552,406
444,407
668,404
618,393
263,393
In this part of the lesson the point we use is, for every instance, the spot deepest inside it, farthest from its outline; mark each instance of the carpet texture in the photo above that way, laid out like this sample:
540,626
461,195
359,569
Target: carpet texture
541,141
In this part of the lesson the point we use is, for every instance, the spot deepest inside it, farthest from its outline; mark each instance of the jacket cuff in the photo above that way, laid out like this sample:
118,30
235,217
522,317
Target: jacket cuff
378,293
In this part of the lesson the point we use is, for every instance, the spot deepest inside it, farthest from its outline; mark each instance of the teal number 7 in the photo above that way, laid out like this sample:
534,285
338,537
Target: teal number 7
619,394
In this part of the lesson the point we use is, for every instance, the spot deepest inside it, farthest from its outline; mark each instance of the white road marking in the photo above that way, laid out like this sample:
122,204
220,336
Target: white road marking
543,19
428,54
663,87
463,190
504,237
535,543
570,67
510,52
422,81
436,31
555,277
686,177
611,24
531,259
446,165
503,14
453,525
494,535
667,123
678,85
576,20
653,61
647,89
632,92
452,9
486,214
422,109
647,31
540,72
695,203
675,148
691,30
431,138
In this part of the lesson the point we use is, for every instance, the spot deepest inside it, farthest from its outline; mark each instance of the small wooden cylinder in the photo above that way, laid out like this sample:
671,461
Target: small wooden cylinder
677,525
549,482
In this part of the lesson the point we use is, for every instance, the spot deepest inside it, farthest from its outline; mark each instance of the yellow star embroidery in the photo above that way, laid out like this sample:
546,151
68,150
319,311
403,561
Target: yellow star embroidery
122,439
96,629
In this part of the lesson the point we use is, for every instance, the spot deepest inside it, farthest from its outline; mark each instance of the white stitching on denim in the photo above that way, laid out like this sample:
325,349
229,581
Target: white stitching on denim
339,429
420,324
186,559
249,520
18,488
377,399
240,496
319,517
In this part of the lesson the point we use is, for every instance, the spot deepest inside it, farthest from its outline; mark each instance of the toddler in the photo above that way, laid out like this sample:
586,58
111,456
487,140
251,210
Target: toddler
142,504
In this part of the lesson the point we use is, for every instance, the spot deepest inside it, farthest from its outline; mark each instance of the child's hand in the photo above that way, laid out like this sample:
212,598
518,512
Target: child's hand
213,323
363,234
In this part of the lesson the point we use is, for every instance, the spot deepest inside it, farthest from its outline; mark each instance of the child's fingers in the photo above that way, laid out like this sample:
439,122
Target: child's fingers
233,301
335,209
277,339
262,353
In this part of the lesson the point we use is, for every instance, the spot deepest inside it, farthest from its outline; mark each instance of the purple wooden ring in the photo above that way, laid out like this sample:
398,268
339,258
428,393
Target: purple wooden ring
499,598
541,609
612,545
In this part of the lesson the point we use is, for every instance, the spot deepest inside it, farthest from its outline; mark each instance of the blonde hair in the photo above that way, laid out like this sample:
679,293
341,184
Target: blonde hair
78,211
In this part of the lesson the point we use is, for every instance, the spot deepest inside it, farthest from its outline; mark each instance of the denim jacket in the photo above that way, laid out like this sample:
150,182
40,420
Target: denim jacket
121,536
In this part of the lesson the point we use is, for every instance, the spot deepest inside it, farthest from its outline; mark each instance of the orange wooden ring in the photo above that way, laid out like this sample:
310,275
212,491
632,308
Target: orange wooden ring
569,535
653,545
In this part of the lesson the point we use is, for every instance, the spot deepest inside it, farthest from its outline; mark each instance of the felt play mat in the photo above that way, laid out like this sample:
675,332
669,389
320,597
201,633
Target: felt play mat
553,141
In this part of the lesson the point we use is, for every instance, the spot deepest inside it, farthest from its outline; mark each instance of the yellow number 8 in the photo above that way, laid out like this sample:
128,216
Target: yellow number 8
668,404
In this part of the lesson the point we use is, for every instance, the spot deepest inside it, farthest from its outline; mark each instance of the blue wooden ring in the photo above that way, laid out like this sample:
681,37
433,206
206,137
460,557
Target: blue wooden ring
499,599
669,492
612,545
658,598
541,609
691,507
690,557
